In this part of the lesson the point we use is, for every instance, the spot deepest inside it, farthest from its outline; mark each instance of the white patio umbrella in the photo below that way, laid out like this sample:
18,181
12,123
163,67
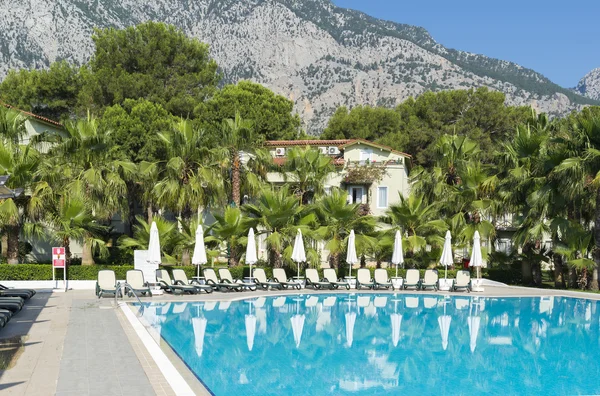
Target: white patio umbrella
199,257
447,257
199,325
444,322
350,320
351,257
251,257
397,256
473,322
298,254
476,258
154,246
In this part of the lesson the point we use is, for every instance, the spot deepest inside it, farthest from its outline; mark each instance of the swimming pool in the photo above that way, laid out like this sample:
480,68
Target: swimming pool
365,344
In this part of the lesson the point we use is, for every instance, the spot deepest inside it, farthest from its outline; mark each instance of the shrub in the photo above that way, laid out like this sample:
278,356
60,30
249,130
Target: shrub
44,272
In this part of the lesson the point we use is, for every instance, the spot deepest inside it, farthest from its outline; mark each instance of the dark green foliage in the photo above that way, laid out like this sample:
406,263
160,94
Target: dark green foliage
50,93
271,114
363,122
416,124
152,61
135,126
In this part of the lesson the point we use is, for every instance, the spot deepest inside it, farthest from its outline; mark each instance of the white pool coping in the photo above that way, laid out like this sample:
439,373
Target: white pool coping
168,370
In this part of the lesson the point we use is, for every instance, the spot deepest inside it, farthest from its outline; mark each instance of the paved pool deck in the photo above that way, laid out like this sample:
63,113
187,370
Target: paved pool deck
75,344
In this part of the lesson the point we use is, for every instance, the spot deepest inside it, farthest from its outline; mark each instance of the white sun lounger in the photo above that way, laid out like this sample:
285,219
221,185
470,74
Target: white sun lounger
462,281
363,279
330,276
215,283
382,279
225,276
430,280
261,280
280,276
413,279
312,280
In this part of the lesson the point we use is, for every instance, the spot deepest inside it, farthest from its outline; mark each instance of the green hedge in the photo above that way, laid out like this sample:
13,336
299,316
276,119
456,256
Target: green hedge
78,272
44,271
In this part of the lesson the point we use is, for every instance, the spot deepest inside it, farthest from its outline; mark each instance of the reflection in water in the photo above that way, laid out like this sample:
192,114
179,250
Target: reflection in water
376,344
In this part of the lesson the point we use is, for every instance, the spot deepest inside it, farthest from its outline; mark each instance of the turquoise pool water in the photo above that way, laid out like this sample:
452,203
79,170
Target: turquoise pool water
386,344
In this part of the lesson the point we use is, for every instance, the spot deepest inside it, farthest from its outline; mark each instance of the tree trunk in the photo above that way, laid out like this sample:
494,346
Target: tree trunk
537,274
87,258
235,178
594,282
149,212
12,254
275,258
185,257
233,256
572,278
526,273
67,246
335,260
4,246
559,280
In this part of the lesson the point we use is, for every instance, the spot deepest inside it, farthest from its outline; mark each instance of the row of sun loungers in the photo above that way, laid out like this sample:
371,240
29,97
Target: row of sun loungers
12,301
180,284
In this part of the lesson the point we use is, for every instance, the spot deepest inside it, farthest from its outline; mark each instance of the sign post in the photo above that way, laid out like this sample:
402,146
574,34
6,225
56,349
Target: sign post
59,262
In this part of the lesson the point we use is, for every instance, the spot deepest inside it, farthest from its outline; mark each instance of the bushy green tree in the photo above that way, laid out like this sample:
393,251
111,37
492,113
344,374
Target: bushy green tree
272,115
153,61
51,93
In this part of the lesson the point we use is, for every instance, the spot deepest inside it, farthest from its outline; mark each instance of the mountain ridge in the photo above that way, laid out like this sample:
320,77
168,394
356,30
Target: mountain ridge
313,52
589,85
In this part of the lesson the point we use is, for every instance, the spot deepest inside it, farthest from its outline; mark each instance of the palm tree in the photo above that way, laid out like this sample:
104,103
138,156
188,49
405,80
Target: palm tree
19,162
237,136
71,219
306,171
337,218
170,237
12,129
188,180
279,215
581,171
81,164
418,220
230,227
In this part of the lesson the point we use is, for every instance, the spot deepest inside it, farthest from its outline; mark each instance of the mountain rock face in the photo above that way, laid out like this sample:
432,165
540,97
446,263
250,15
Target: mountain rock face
310,51
589,85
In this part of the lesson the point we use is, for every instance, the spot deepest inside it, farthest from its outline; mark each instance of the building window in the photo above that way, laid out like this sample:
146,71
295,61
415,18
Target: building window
382,197
355,195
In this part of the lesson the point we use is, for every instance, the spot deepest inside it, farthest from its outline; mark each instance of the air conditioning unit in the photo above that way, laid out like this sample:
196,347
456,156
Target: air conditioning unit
333,150
323,150
280,151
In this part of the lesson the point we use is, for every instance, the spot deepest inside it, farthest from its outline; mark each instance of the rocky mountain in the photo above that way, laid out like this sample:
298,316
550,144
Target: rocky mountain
589,85
311,51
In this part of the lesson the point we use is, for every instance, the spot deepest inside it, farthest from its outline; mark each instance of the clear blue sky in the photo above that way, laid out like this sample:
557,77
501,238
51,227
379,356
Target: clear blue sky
560,39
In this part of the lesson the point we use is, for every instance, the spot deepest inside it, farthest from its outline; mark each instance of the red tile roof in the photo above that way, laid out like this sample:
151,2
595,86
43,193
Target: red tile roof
37,117
286,143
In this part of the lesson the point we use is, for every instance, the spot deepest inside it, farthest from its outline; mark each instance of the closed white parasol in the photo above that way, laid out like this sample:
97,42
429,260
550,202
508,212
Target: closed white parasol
199,257
351,257
397,256
298,254
154,256
477,260
447,258
251,257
